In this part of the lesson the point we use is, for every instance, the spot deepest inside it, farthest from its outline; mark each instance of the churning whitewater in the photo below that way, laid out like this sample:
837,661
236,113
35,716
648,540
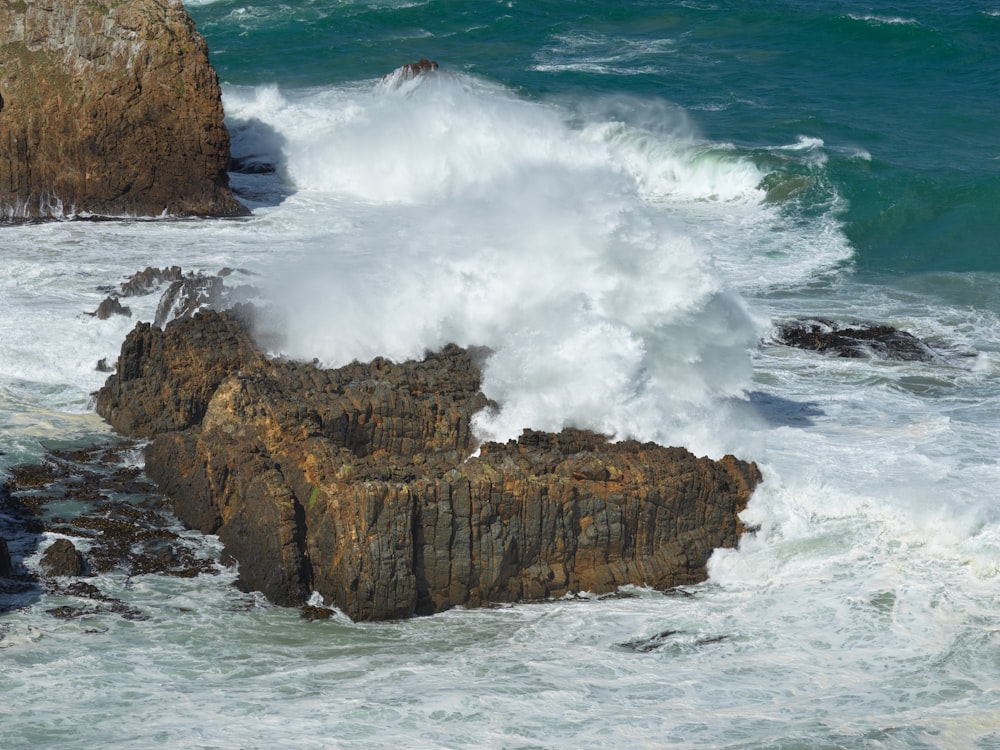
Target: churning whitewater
511,230
623,223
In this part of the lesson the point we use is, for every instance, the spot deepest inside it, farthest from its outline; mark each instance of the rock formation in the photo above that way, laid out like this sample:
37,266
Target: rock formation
124,524
856,341
186,294
407,72
62,559
109,108
357,482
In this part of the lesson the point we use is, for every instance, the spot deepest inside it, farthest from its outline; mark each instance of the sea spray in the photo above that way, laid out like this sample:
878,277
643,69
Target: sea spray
488,220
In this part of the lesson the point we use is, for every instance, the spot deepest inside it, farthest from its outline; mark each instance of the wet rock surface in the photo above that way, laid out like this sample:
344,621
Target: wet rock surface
184,295
62,559
859,340
111,306
95,502
109,109
358,482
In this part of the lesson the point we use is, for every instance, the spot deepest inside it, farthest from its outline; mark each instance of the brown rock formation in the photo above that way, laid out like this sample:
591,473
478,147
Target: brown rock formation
356,482
62,559
109,108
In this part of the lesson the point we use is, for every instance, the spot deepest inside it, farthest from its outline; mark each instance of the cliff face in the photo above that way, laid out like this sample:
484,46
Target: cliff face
109,108
356,482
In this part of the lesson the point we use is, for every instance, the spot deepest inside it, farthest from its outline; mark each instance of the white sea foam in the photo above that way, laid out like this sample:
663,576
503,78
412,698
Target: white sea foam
490,221
885,20
603,54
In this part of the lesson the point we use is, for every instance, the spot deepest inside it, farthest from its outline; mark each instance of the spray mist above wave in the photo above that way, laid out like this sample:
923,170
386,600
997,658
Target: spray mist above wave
456,212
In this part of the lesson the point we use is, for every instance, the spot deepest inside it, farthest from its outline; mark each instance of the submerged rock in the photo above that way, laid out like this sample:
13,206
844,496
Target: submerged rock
109,109
358,482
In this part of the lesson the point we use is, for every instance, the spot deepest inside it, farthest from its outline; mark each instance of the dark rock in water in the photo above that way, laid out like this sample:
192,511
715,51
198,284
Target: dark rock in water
186,296
67,612
645,645
33,475
310,612
6,567
357,482
111,109
251,165
111,306
146,281
89,592
186,293
62,559
103,366
412,70
133,537
423,65
408,72
861,340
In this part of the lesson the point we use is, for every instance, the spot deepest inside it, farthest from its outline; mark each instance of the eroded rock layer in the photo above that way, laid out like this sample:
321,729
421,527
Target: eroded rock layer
357,482
109,108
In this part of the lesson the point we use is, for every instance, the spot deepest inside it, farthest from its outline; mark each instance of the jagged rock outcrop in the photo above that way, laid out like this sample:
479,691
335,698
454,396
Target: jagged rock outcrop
109,108
186,294
111,306
357,482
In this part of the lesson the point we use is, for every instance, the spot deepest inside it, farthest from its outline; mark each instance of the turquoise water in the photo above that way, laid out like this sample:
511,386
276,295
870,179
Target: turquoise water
621,201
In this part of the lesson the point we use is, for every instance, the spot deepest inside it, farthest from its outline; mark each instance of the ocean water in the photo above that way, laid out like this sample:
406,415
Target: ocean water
623,200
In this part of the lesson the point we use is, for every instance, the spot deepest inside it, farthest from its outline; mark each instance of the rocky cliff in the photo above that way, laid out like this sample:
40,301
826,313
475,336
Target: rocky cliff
109,108
357,482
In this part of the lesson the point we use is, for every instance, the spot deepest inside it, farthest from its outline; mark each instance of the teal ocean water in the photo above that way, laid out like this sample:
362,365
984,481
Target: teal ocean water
623,201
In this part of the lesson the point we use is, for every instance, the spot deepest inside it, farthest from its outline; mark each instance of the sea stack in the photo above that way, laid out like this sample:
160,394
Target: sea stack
360,483
109,108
